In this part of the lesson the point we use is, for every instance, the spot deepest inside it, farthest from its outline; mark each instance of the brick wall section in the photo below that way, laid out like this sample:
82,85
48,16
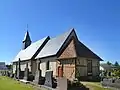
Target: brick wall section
69,51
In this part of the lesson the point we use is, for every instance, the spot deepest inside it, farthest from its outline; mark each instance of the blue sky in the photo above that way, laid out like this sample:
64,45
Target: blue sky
97,23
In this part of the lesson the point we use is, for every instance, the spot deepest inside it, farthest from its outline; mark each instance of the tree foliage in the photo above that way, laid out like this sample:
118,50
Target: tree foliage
109,63
116,64
9,67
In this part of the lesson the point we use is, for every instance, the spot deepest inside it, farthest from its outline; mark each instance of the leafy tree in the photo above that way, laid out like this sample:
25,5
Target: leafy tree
117,73
116,64
109,63
9,66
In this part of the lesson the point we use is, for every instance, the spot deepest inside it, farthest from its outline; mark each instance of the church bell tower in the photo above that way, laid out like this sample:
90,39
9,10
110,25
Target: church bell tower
26,41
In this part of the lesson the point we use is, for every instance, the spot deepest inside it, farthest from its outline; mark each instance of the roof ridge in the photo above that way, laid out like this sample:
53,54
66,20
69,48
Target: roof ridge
69,31
41,39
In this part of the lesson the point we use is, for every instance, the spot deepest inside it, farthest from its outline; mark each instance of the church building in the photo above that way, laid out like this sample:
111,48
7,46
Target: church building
64,54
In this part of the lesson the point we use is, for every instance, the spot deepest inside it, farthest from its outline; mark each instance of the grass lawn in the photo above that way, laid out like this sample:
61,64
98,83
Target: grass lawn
10,84
94,86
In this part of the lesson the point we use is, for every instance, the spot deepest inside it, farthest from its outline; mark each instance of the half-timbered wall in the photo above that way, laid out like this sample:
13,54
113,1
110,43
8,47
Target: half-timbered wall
81,66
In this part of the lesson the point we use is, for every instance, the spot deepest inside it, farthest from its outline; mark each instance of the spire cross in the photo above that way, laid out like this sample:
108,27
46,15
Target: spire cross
27,27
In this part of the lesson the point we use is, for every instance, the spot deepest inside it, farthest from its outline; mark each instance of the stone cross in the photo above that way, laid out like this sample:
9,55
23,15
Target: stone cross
19,70
38,74
15,75
26,72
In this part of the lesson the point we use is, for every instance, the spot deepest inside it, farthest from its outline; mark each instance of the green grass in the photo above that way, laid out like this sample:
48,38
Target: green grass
94,86
10,84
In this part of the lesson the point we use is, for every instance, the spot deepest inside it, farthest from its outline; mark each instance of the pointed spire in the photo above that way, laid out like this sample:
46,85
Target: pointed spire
27,36
26,40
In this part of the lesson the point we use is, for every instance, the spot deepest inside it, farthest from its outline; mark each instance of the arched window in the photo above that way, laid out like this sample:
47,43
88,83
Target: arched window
47,65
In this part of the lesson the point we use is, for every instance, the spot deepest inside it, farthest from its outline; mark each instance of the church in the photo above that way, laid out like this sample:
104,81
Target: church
64,54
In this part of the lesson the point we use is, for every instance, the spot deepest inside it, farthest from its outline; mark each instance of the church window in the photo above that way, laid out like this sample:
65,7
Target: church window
47,65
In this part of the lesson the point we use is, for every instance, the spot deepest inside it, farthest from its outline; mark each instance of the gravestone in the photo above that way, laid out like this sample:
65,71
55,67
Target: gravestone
49,79
11,75
15,74
7,73
19,70
26,73
108,82
117,81
38,78
3,73
0,73
62,83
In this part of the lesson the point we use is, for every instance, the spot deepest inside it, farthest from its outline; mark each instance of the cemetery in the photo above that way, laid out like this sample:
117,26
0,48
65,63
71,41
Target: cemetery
50,83
58,63
47,82
14,84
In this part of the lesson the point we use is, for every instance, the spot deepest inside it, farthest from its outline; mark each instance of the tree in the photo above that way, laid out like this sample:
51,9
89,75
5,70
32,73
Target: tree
109,63
9,66
116,64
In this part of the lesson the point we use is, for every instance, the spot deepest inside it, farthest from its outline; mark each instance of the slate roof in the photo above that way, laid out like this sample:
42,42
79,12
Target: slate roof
28,53
107,67
53,45
83,51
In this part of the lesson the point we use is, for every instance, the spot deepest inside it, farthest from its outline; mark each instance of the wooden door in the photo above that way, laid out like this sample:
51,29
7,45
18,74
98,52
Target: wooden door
60,71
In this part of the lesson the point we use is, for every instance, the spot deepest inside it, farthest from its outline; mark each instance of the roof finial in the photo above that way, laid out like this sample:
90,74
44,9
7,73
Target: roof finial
27,27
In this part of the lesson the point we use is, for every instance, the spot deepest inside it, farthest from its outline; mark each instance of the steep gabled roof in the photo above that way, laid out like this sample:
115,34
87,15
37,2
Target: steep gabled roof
53,45
83,51
31,50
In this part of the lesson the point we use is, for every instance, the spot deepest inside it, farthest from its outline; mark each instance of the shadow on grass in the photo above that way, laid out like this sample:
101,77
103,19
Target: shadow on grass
79,86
